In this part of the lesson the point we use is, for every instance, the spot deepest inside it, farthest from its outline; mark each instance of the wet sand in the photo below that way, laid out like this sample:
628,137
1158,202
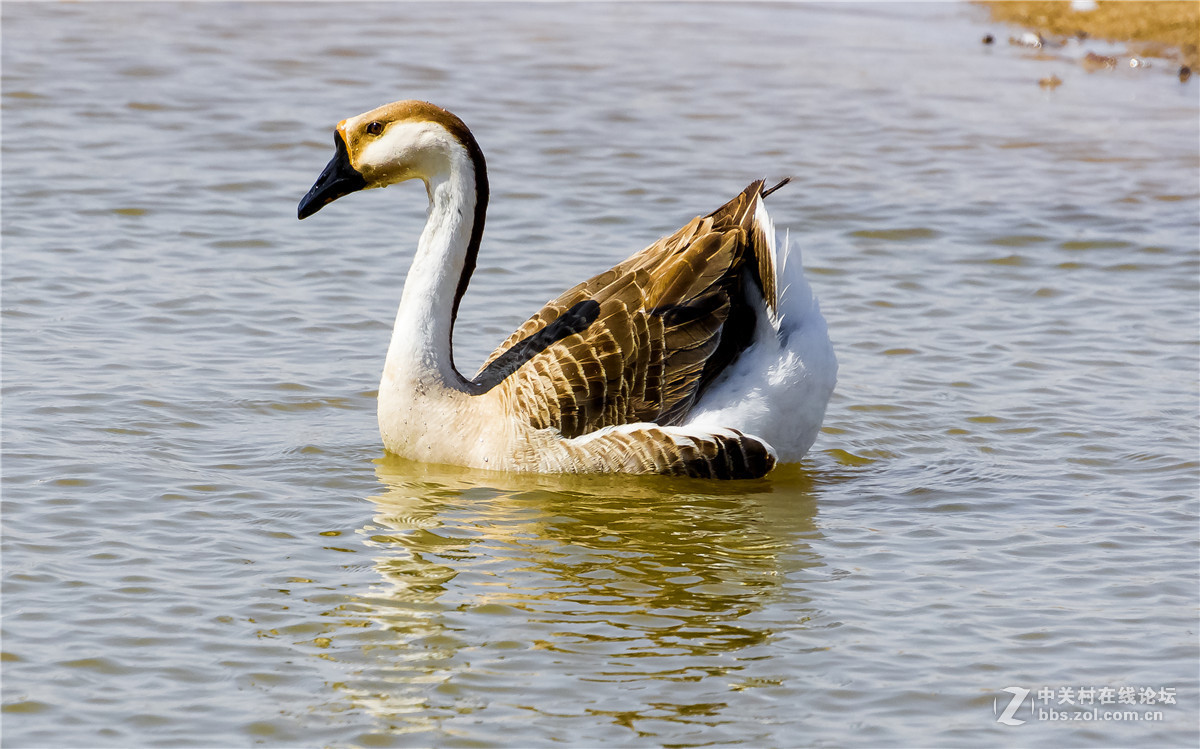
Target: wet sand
1169,30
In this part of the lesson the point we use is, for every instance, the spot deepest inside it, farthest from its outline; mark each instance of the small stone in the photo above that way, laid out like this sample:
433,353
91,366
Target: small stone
1094,61
1028,39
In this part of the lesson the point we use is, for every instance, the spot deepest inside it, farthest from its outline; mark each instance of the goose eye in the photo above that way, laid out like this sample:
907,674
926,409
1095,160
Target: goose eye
375,128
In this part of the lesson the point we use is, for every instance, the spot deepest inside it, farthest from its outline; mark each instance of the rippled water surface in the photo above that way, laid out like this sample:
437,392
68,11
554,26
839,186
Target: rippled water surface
205,545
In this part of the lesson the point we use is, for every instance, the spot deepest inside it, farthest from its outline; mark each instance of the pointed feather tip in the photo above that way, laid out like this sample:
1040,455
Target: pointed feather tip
768,191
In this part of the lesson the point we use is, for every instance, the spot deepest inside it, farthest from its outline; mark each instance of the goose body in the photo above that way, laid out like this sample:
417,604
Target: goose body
705,354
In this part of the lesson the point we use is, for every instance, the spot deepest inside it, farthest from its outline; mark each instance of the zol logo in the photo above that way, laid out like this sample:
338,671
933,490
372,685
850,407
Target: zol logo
1018,696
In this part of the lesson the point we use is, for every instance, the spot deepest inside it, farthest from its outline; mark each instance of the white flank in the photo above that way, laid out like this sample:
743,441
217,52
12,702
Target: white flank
778,388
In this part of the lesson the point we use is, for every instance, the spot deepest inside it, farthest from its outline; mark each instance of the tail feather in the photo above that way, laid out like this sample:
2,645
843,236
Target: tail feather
764,250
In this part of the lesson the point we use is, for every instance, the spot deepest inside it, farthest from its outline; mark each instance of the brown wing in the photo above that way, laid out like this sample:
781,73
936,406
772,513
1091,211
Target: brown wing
668,320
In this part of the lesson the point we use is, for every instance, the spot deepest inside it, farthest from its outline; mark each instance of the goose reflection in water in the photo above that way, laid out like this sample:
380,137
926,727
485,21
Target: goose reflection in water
503,592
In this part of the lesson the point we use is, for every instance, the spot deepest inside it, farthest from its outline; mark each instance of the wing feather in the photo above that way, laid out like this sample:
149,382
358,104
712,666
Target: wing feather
649,448
669,319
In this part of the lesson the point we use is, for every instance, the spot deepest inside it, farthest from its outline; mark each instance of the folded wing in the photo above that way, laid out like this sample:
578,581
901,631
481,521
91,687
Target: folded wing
641,341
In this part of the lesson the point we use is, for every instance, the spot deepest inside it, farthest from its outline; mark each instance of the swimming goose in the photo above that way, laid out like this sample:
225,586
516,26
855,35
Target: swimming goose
703,355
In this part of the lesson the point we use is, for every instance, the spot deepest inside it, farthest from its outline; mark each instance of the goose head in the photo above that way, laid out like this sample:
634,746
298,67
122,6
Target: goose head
393,143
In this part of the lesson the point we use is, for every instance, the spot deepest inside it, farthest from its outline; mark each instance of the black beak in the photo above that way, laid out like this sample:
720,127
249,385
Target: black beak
338,179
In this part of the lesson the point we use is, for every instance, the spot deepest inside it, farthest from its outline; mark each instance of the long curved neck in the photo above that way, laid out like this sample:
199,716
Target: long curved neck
422,340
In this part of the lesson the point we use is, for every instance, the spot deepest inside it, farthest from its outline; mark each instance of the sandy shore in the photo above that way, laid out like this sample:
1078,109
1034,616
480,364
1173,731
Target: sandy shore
1158,28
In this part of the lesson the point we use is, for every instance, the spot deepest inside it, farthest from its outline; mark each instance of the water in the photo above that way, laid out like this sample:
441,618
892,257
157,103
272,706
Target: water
204,544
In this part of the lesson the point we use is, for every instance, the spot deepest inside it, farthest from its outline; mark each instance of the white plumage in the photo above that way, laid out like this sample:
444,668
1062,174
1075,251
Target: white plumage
778,388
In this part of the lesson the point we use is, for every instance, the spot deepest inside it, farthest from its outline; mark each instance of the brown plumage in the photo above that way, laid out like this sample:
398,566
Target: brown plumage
728,454
670,319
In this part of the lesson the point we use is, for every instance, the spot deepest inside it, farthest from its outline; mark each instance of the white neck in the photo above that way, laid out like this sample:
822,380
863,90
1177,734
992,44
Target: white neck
420,350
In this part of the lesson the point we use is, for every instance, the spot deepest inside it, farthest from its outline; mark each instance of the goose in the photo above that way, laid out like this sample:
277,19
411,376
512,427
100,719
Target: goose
703,355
